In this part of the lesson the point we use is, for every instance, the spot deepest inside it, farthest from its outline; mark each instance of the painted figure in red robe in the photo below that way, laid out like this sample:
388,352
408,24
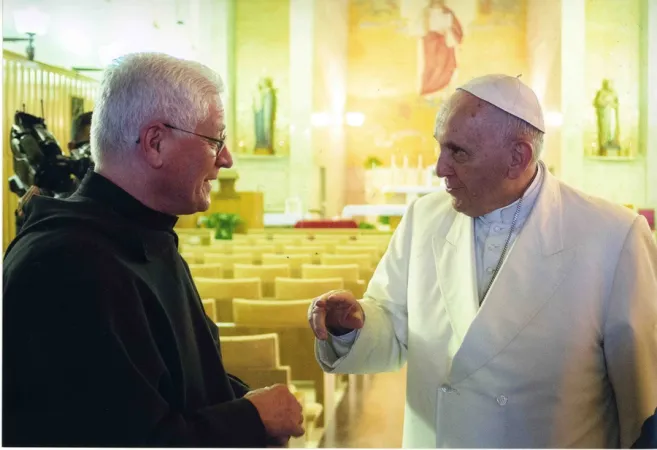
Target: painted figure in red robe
442,33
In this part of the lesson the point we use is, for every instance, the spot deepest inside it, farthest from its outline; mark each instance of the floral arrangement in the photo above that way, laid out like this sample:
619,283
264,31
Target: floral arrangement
223,224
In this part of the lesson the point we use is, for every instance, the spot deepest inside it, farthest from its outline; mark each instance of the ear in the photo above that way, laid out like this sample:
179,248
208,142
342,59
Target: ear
150,140
521,158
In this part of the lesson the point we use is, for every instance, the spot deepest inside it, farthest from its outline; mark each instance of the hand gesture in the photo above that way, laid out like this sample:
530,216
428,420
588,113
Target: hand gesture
337,311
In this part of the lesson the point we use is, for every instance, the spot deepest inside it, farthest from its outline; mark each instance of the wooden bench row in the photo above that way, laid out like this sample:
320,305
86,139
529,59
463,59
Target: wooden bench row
290,360
218,294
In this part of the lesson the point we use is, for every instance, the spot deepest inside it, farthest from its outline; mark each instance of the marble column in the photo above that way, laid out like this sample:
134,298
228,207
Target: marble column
649,94
303,174
573,90
544,59
330,93
213,28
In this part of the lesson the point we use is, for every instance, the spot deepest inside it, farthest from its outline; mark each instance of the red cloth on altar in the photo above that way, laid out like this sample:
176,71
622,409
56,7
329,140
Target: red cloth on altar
326,224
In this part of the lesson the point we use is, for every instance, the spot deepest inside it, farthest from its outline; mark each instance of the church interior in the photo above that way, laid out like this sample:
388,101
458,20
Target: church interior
330,108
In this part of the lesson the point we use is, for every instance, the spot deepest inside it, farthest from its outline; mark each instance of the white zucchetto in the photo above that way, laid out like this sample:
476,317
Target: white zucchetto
510,95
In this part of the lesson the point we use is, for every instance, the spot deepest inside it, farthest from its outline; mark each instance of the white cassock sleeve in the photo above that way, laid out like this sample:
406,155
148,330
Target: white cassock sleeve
380,346
332,352
630,332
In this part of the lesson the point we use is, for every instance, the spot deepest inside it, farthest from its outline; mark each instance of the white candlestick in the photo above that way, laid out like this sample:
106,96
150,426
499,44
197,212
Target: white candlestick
419,162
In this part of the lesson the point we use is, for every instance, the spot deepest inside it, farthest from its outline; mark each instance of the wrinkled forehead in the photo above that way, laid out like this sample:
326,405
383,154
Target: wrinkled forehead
462,116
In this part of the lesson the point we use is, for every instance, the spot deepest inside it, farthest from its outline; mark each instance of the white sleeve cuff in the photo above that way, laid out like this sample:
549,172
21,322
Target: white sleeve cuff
333,350
342,344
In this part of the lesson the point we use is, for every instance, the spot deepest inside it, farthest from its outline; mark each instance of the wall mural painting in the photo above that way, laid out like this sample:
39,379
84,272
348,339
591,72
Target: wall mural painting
439,30
406,57
442,33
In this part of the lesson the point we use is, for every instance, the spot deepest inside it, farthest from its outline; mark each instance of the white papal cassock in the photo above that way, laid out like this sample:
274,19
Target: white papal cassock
562,352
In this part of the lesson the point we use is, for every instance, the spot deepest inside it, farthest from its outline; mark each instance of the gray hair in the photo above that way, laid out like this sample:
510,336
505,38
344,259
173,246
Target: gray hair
511,127
514,129
140,87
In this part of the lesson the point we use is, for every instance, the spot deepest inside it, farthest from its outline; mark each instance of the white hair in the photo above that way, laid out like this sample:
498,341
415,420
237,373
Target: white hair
142,87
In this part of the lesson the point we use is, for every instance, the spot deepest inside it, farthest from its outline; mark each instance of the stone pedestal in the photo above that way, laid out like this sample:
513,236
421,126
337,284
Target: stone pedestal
227,179
249,206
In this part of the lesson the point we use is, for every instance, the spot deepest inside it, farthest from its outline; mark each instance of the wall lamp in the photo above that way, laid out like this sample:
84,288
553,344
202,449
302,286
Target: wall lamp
29,50
31,22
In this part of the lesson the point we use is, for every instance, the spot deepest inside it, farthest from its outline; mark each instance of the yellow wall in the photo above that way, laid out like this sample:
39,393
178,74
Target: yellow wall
544,59
262,48
382,80
613,38
329,92
383,76
28,83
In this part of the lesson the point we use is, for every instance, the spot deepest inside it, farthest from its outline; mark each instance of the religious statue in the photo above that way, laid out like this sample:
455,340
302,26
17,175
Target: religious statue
606,106
264,117
442,33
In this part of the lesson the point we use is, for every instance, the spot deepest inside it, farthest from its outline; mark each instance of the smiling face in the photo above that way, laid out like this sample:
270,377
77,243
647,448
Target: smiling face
474,160
190,162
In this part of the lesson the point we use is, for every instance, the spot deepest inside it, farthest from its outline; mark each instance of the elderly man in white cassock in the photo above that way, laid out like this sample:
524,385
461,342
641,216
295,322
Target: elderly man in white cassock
525,309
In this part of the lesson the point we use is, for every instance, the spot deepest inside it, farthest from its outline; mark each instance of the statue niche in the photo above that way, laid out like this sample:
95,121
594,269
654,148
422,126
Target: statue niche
606,107
264,117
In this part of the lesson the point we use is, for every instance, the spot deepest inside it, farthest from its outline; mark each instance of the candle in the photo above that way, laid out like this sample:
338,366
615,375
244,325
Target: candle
405,161
419,162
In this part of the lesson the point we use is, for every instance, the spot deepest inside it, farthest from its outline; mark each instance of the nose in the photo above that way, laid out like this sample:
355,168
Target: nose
444,166
225,158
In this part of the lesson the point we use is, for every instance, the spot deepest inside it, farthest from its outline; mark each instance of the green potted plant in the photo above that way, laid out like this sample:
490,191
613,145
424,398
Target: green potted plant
373,162
223,224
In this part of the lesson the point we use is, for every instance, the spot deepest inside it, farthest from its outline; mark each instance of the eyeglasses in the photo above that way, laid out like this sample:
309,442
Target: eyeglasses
219,143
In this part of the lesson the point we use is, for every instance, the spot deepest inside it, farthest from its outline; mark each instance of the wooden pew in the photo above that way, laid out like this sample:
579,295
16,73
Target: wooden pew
266,272
350,274
364,262
295,288
255,359
314,251
288,318
227,261
255,250
294,261
356,249
206,270
222,292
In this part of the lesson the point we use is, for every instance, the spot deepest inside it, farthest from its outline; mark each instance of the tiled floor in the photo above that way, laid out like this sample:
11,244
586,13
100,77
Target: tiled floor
371,415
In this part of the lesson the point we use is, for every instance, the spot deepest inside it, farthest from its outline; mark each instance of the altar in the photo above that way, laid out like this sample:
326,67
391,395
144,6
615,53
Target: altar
408,194
391,189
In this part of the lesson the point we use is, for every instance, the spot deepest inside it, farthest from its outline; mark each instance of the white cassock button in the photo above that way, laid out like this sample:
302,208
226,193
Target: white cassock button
501,400
489,270
497,229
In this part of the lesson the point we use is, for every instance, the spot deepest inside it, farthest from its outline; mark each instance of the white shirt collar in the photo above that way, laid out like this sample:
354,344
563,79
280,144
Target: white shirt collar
505,214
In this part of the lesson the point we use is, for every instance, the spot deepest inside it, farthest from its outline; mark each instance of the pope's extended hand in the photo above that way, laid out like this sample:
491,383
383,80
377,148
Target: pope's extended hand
337,312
